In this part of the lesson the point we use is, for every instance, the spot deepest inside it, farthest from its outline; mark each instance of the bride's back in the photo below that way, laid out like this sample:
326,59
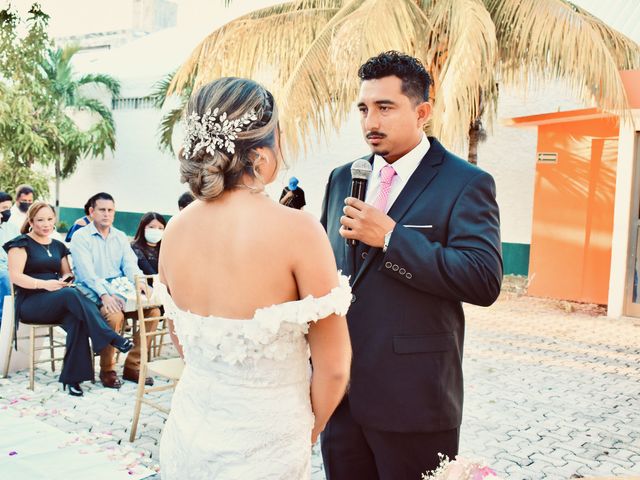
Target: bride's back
233,255
245,395
235,250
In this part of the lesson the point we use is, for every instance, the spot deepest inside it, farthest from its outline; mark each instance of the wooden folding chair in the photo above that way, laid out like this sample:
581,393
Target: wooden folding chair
32,336
170,368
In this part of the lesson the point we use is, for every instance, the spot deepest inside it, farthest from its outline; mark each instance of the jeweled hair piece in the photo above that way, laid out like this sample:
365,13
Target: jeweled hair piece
214,131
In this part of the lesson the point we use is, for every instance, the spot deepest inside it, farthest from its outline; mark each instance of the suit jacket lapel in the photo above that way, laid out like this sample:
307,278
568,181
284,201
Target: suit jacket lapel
419,180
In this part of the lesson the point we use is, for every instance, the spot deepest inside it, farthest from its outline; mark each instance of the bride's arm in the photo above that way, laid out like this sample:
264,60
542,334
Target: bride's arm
316,275
174,338
172,331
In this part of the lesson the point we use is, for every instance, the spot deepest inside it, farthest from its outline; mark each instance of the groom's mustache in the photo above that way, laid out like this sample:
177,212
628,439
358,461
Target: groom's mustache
375,134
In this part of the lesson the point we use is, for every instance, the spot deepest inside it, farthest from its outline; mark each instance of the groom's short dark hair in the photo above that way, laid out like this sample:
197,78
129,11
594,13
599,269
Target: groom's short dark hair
415,78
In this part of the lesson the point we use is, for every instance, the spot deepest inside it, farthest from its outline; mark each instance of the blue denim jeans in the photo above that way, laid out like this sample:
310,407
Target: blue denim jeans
5,289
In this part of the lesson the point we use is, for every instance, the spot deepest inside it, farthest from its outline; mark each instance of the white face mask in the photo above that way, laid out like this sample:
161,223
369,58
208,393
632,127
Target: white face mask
153,235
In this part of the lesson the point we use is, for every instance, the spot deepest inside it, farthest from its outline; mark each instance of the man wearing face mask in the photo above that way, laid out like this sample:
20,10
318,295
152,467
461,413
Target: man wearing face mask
8,231
24,199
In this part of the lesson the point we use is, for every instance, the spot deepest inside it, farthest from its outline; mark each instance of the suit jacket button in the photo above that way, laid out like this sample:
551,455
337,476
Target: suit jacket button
353,298
395,268
402,271
408,275
388,264
364,255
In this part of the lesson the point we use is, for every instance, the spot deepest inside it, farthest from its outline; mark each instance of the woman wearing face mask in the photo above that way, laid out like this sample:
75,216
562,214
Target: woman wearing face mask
146,243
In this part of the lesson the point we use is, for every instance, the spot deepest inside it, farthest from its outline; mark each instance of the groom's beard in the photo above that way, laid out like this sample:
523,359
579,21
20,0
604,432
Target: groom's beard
377,149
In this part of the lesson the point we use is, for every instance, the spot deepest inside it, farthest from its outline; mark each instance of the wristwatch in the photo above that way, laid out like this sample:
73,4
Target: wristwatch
387,239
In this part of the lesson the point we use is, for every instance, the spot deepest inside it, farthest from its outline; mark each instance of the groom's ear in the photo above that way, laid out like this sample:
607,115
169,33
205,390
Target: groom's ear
423,111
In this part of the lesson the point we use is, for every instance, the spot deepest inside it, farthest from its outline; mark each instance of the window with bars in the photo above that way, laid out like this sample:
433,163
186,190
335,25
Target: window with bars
133,103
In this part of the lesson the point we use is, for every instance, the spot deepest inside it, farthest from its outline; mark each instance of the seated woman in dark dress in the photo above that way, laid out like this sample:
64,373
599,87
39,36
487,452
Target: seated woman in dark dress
146,243
39,268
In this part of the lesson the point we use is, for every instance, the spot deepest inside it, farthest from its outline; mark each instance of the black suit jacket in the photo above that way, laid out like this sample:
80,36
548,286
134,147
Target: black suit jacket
406,320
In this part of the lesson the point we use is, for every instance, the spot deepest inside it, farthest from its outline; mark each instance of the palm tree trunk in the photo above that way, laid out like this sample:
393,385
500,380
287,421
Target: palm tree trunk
57,205
476,132
474,138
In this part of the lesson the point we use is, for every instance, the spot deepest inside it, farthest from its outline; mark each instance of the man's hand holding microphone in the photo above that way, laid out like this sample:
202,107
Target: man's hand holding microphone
361,221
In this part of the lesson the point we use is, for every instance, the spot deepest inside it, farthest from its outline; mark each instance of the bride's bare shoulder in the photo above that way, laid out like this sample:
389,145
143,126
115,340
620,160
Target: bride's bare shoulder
303,226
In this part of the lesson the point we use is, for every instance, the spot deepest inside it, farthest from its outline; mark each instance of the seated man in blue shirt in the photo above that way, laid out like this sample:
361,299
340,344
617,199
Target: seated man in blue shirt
101,253
8,231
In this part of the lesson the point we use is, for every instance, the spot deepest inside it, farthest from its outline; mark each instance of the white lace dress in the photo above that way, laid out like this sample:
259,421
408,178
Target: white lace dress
242,408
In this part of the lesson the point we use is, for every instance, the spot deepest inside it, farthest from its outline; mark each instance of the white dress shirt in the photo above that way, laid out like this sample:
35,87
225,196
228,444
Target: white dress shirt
404,167
17,216
8,231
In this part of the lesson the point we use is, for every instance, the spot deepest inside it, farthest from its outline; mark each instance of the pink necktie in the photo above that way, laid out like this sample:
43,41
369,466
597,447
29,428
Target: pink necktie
386,179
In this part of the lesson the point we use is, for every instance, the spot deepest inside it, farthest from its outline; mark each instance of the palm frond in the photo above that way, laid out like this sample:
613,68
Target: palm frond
167,126
110,83
253,44
68,52
102,137
467,48
95,106
542,40
319,93
160,90
307,52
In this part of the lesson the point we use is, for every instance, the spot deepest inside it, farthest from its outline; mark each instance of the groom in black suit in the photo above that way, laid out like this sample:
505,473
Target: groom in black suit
429,239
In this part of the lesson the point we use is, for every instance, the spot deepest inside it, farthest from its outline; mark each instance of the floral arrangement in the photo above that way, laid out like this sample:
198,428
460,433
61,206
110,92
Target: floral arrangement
460,469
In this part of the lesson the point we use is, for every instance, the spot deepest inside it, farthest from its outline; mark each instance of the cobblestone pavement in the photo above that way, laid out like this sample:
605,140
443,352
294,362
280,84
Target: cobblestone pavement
549,394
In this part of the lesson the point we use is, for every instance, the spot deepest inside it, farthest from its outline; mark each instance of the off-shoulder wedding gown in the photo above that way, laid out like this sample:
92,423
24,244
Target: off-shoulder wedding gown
242,407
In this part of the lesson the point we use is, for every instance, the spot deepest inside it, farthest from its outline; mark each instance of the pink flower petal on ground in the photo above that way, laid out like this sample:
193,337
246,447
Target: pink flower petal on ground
486,471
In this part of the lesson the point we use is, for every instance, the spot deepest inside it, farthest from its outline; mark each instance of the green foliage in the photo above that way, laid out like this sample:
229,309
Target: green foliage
12,176
171,118
28,129
75,143
39,95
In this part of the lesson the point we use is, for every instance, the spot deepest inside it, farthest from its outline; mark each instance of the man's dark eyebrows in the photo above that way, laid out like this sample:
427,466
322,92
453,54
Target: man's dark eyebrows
385,102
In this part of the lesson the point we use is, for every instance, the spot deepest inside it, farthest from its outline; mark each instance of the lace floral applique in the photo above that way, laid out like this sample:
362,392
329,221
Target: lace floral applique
274,332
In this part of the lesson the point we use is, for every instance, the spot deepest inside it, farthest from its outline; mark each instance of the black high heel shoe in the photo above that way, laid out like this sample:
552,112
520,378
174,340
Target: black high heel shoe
122,344
74,389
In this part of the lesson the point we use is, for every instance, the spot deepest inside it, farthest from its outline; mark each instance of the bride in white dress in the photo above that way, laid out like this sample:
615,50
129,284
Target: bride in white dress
253,292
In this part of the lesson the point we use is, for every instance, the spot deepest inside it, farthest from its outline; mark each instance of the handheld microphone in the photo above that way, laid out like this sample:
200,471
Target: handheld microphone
360,172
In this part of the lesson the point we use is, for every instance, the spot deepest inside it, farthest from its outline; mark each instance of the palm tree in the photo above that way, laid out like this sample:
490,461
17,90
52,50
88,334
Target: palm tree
307,52
66,87
160,95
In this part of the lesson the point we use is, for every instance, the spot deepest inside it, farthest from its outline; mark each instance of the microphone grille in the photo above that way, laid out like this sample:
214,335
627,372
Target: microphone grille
361,169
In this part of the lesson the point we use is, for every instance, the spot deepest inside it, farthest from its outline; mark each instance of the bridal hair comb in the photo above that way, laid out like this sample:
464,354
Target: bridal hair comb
213,131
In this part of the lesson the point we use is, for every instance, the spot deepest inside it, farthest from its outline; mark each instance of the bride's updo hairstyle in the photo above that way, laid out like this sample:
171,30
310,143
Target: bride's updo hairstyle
227,120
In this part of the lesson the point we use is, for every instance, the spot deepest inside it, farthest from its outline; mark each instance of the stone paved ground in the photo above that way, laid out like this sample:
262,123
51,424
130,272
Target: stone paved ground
550,394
